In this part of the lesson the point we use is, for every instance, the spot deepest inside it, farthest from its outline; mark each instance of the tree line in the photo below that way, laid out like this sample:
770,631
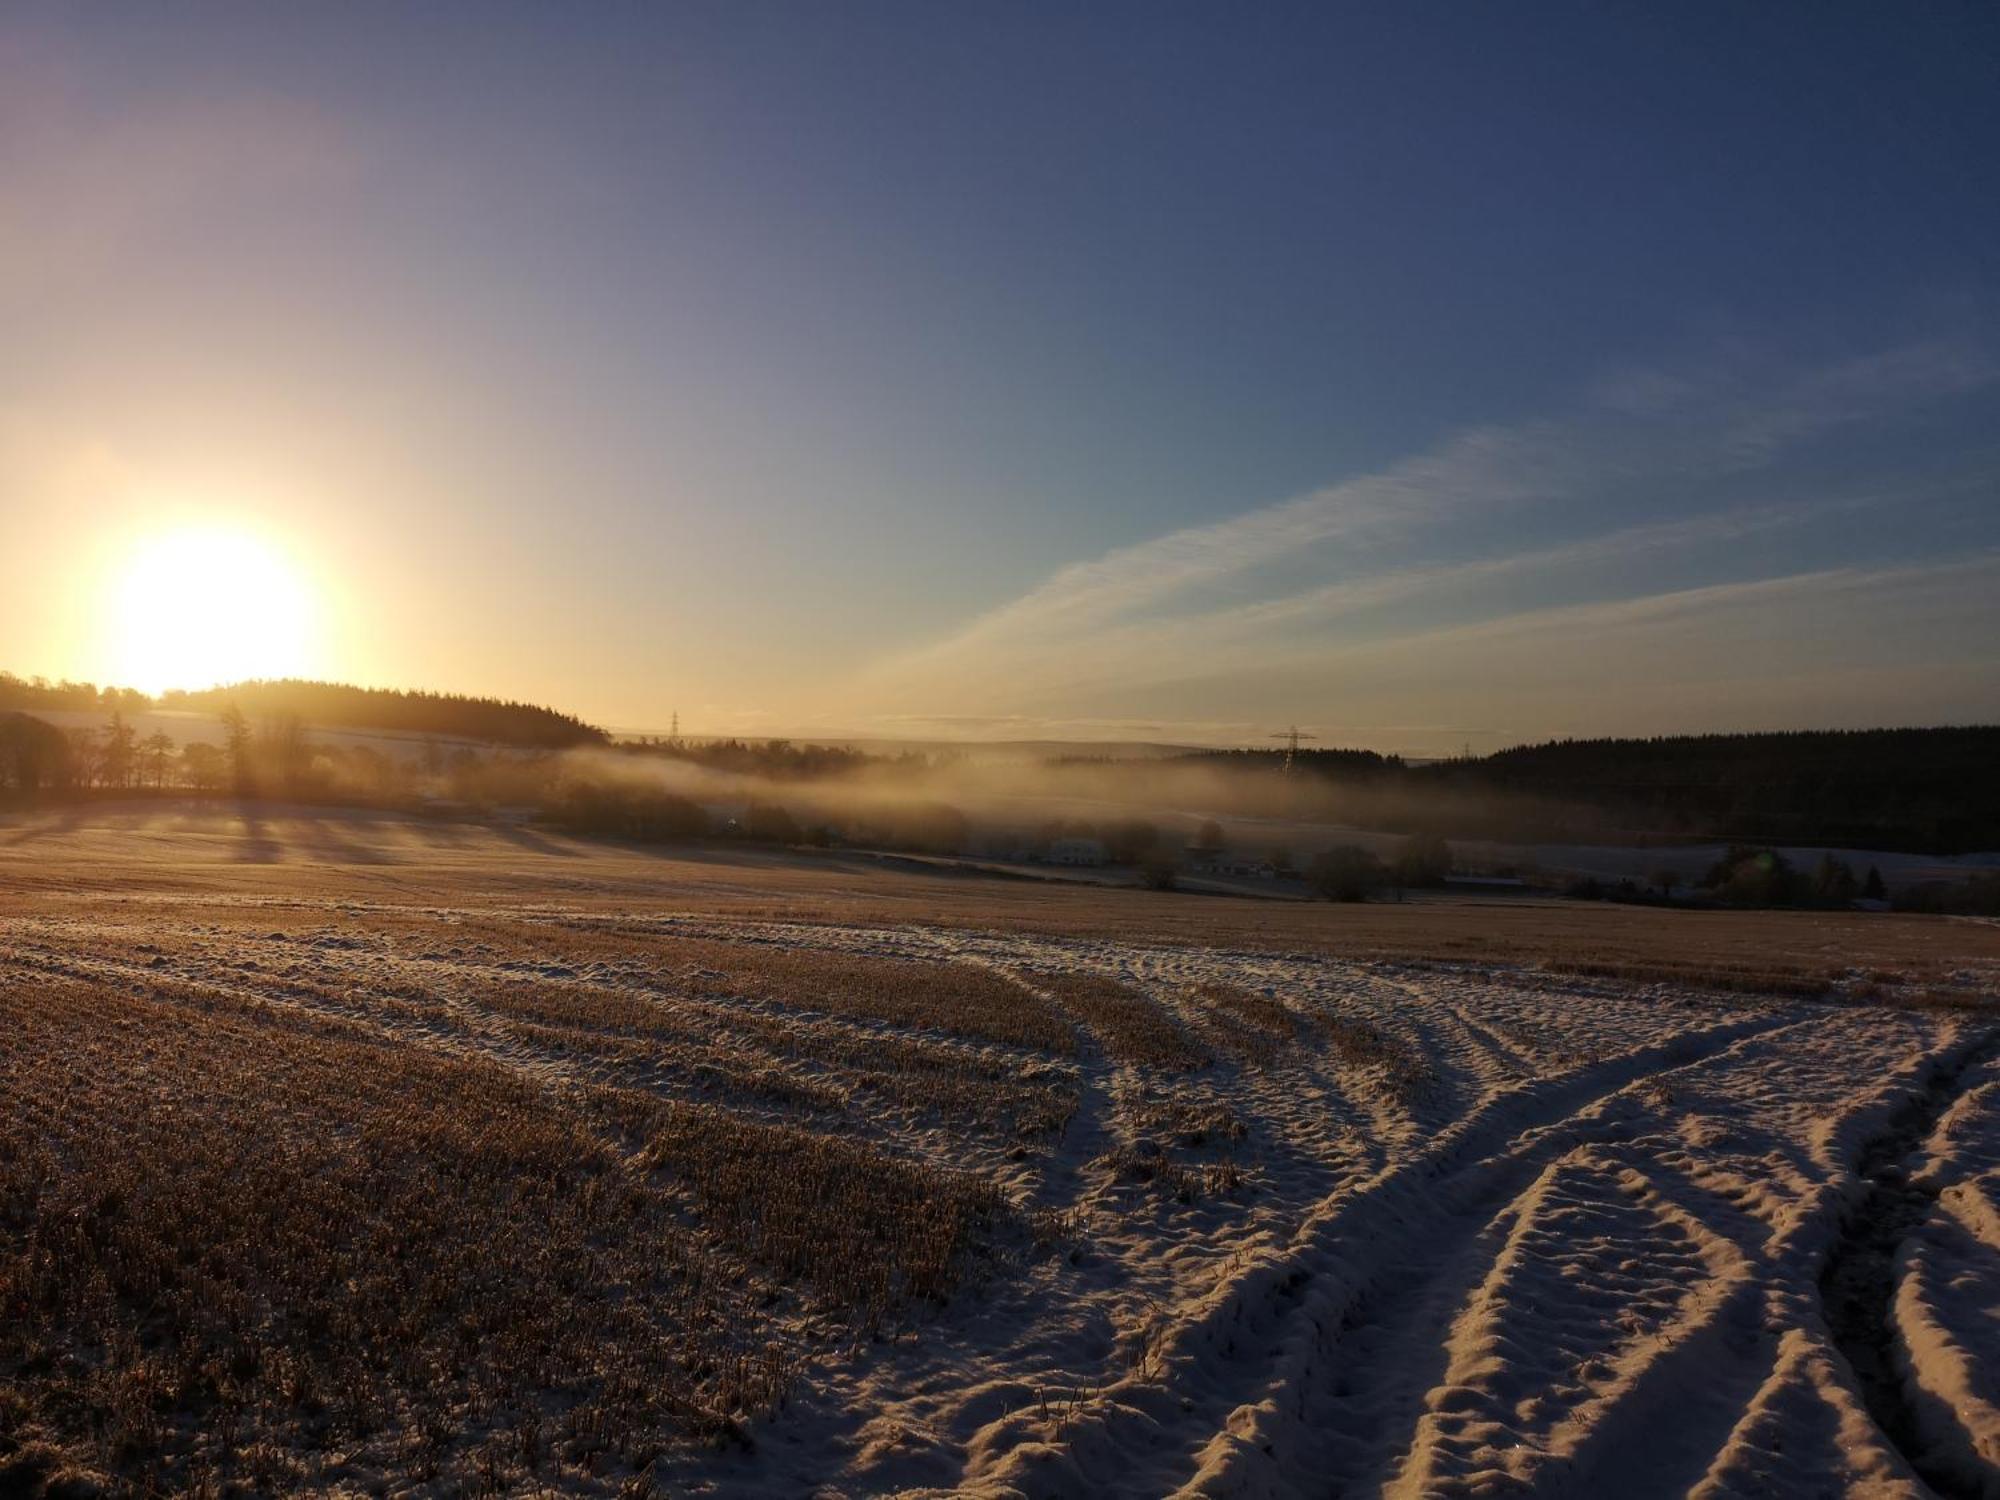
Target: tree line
275,757
774,759
338,705
1924,790
1328,763
333,705
1932,790
29,694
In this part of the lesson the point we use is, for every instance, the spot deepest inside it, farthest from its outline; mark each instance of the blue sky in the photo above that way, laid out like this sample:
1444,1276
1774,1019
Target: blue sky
1416,373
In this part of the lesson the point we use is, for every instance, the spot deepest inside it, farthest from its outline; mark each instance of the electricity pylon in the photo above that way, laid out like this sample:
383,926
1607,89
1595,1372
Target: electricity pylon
1291,737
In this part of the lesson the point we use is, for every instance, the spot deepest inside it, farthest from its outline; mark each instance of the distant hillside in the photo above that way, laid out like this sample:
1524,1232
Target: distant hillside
336,705
1330,762
33,694
1936,790
1931,791
970,750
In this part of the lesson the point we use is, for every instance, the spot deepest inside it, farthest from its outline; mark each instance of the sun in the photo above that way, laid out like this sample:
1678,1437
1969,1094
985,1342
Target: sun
196,607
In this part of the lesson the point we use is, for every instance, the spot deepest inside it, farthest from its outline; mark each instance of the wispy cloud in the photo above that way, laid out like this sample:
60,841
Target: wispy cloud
1856,391
1239,596
1836,646
1488,466
1704,604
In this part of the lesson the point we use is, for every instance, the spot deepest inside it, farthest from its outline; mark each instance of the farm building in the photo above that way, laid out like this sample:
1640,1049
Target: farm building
1076,852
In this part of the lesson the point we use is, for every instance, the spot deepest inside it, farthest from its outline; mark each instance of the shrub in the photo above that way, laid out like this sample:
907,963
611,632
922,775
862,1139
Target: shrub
769,823
1345,873
1131,840
1834,883
1424,860
627,812
33,754
927,827
1978,896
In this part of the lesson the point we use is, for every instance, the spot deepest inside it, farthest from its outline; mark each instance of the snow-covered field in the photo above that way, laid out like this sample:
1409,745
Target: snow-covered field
1204,1220
1565,1241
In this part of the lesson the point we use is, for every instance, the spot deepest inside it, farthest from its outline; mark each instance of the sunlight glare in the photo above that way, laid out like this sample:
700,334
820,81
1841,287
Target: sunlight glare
193,608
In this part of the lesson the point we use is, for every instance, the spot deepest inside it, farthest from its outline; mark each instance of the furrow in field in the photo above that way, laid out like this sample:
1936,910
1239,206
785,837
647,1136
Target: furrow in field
1245,1356
1912,1293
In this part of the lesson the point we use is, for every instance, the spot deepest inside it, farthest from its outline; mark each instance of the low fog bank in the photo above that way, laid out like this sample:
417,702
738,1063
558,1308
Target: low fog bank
1015,808
1254,821
1343,822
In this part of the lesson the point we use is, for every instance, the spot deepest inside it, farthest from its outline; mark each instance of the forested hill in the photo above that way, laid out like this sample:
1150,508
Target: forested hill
339,706
1926,789
38,694
1329,762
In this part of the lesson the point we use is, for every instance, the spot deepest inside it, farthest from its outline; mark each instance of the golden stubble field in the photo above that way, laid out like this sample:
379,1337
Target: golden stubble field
346,1154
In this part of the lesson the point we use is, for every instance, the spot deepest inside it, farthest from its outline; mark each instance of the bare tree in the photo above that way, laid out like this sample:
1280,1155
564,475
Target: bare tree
157,750
239,747
85,758
285,752
120,758
204,767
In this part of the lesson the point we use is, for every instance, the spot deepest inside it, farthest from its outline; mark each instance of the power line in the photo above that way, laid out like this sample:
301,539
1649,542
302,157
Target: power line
1291,737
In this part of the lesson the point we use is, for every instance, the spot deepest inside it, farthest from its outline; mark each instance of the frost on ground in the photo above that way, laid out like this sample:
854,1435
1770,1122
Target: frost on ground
478,1198
1946,1308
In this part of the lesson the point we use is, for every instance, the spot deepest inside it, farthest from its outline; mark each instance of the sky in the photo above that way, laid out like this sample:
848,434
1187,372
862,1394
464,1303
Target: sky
1421,375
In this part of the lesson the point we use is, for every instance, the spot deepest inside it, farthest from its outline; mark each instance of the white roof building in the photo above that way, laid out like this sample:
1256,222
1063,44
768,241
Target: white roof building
1076,851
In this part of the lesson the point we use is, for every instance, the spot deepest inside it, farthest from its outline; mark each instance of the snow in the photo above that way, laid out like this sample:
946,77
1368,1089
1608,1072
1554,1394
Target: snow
1947,1301
1582,1258
1496,1230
